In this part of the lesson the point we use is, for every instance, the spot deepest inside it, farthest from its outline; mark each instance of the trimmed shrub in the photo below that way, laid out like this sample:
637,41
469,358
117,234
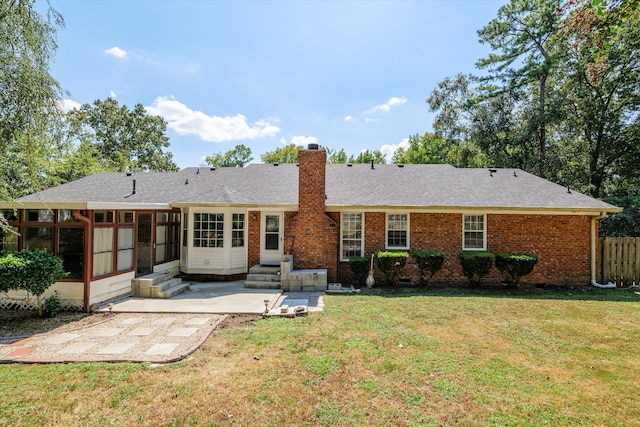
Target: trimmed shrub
359,266
514,266
52,305
476,265
391,264
30,271
428,262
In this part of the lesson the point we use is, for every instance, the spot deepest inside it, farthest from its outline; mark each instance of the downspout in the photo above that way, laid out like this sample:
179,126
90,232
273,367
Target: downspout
87,256
594,240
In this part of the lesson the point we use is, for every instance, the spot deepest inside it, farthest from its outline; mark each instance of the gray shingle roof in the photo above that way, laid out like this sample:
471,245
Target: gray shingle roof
422,186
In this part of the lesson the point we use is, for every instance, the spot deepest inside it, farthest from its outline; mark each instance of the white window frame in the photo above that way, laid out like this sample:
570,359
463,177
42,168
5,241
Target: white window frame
408,231
483,231
235,232
209,234
342,238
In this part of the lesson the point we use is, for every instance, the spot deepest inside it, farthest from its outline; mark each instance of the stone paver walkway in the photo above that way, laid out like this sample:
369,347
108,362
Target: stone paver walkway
152,337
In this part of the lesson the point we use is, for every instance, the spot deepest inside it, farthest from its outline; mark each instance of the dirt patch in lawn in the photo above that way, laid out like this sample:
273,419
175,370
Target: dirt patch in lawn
233,320
25,323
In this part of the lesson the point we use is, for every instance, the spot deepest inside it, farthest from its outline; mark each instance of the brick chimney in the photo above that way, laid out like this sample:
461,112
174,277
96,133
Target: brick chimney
311,181
315,243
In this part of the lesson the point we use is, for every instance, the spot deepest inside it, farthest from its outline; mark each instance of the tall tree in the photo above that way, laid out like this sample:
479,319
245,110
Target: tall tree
122,139
591,22
286,154
367,156
29,117
590,120
521,37
335,156
423,149
602,109
239,156
479,132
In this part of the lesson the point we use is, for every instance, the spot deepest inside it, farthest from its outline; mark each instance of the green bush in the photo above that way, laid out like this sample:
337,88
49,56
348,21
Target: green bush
30,271
428,262
359,266
514,266
52,305
391,264
476,265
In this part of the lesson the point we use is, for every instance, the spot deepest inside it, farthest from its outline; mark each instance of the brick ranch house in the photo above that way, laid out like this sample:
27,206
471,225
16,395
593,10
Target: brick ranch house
111,228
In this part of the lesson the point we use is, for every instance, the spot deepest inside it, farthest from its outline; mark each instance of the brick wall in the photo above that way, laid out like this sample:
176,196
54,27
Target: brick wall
253,239
562,242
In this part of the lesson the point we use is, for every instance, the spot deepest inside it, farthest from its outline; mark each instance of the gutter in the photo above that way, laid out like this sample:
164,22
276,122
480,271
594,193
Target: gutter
88,262
594,238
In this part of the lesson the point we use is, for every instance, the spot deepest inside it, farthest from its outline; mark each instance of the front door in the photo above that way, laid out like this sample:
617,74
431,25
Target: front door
145,244
271,238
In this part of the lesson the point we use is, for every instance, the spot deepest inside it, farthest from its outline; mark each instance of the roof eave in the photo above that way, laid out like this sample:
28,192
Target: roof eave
538,210
42,205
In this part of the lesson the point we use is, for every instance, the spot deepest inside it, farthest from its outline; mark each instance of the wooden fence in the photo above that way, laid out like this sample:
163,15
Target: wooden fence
620,260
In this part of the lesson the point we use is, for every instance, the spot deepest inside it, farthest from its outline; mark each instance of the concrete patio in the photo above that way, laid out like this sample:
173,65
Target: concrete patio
215,298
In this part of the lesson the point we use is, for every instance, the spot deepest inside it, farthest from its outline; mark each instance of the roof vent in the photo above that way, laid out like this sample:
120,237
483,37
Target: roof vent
276,164
400,165
198,172
129,173
186,181
372,164
212,169
349,165
312,146
515,175
134,187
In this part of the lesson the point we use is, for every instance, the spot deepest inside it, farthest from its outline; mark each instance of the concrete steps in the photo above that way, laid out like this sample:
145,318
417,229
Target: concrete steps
263,277
158,285
169,288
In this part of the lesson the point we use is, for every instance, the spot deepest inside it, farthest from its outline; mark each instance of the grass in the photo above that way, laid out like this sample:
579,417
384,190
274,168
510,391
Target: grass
386,358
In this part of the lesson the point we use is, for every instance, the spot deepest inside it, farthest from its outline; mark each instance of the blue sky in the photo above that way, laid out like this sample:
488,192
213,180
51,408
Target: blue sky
343,74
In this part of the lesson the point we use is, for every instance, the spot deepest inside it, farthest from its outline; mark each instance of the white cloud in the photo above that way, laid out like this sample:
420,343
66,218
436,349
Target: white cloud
391,102
382,108
304,140
389,149
67,105
186,121
117,52
134,56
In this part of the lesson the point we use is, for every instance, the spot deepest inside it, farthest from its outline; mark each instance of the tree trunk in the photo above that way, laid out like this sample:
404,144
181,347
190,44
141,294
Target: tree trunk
542,140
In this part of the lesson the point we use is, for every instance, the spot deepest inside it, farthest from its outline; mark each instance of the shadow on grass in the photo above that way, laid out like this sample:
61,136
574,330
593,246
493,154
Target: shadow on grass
499,290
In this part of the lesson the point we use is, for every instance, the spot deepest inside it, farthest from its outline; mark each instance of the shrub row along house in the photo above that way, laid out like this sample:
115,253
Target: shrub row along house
110,228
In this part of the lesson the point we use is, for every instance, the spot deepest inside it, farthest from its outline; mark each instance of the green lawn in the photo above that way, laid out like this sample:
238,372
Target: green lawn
485,358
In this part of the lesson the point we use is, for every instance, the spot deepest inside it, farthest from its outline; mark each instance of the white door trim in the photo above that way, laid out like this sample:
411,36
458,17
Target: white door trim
271,242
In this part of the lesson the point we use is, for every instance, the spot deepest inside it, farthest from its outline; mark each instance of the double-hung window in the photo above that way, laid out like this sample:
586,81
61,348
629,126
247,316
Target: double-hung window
237,231
398,231
352,232
474,232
